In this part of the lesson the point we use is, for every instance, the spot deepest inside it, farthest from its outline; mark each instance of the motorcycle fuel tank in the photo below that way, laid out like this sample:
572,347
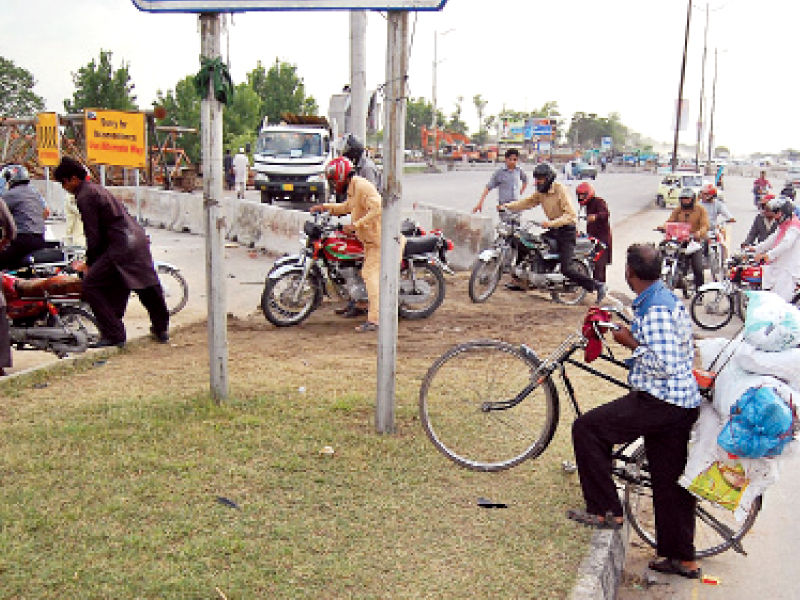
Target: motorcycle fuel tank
340,246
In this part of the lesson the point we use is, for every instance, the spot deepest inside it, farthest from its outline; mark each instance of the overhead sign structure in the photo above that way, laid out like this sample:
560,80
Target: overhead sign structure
48,140
115,138
210,6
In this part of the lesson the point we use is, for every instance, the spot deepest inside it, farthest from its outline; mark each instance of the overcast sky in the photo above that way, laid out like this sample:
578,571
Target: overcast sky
591,56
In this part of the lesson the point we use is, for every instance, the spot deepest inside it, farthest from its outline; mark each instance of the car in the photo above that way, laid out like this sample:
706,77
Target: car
671,184
582,170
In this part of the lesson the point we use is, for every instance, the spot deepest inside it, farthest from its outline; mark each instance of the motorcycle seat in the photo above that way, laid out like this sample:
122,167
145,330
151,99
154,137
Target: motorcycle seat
421,245
58,285
44,255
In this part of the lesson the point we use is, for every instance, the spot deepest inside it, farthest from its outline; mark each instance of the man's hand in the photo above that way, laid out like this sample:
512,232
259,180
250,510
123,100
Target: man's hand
546,224
591,218
661,228
351,229
624,337
316,208
478,207
79,266
761,258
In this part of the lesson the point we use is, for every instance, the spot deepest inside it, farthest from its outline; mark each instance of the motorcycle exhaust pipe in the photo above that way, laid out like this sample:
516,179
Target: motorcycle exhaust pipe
53,339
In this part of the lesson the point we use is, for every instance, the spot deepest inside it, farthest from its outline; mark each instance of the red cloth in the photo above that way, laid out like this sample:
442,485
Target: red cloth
595,346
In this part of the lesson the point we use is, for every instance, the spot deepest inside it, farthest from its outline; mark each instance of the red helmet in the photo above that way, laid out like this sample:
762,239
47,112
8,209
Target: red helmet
584,192
338,172
709,191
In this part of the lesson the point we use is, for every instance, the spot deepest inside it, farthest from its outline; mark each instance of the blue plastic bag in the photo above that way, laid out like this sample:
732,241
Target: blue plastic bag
760,425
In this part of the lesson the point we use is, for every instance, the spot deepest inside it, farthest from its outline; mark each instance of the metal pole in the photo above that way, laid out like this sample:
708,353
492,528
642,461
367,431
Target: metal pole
211,139
434,118
680,89
138,196
713,107
396,73
47,187
358,74
702,94
103,175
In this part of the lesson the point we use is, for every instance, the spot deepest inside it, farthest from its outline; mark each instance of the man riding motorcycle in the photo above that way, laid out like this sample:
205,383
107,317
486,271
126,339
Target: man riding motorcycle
28,209
781,250
690,212
716,208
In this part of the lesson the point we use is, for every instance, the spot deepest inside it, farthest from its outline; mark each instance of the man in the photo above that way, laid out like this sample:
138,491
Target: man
118,259
8,230
227,169
27,208
781,250
762,226
661,407
760,187
364,206
363,165
688,211
716,208
509,180
560,224
240,165
598,225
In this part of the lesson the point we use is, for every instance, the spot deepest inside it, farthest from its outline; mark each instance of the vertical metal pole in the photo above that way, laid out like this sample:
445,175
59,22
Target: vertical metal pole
702,94
358,74
713,107
680,90
434,116
396,71
138,196
47,187
211,138
103,175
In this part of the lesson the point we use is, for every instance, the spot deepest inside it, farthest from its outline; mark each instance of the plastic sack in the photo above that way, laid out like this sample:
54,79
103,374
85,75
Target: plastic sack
760,425
783,365
771,323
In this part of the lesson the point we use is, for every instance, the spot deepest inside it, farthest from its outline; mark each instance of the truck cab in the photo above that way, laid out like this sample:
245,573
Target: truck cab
290,159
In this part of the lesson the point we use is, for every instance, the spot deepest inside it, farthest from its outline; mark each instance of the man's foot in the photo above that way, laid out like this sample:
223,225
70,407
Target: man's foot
514,287
345,309
602,290
596,521
673,566
106,343
367,326
160,336
355,311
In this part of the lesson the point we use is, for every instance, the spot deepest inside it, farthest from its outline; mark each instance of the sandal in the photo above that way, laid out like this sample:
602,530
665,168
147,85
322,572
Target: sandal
672,566
354,311
367,326
596,521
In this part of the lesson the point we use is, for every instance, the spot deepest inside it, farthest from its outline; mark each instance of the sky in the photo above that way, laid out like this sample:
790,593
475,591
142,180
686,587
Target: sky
620,56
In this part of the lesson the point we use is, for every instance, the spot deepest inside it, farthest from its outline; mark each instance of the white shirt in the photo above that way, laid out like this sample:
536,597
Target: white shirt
783,269
240,164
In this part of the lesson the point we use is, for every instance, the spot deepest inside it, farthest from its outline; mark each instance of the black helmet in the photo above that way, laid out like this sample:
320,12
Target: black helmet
781,205
546,171
687,194
353,149
15,175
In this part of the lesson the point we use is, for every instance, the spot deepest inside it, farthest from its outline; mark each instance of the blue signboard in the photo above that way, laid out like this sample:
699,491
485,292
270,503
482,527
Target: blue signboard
542,130
211,6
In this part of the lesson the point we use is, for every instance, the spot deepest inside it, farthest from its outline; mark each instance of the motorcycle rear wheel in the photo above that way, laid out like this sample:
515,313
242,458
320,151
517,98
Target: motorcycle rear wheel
712,309
577,293
427,276
278,303
484,279
76,318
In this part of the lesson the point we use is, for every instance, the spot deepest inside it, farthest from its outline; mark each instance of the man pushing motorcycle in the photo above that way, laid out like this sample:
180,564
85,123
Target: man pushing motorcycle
363,204
560,224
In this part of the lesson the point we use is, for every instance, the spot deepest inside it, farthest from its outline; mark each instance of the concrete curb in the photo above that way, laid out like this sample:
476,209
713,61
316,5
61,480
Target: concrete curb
600,573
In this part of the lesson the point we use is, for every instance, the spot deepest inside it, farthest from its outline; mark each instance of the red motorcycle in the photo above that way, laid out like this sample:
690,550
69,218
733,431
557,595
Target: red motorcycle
46,314
331,261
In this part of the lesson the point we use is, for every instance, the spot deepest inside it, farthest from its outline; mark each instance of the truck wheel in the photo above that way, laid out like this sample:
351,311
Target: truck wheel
266,197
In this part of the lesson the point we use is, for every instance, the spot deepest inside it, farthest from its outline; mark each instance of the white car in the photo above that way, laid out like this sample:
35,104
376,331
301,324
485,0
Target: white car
671,184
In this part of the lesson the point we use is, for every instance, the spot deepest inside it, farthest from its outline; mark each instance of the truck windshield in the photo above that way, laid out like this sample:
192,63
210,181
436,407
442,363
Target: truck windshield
289,143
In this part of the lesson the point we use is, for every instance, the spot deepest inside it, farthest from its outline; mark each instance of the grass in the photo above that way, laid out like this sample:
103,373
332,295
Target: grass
115,478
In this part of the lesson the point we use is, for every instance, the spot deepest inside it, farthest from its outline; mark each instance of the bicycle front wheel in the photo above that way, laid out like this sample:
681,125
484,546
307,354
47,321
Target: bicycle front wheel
467,406
716,530
176,290
712,309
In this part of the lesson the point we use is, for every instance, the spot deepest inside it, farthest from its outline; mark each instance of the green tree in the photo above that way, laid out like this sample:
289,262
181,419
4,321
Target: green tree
419,112
480,107
281,90
456,124
17,98
183,109
242,118
587,129
100,85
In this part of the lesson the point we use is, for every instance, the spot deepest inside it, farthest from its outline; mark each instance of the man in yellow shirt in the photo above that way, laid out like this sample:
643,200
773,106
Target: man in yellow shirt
561,216
364,206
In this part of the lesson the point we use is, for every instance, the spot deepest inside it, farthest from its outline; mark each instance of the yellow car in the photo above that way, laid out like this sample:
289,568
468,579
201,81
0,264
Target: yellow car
671,184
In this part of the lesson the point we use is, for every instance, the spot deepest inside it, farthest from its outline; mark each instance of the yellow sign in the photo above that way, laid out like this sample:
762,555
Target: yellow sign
48,142
115,138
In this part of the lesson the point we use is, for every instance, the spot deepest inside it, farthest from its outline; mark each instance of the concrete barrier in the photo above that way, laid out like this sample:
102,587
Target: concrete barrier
469,232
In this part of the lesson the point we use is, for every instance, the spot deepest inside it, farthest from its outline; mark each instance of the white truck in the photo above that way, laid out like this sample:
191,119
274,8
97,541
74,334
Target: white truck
290,159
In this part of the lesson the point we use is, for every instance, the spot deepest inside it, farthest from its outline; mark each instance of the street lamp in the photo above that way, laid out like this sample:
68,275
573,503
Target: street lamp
713,107
434,117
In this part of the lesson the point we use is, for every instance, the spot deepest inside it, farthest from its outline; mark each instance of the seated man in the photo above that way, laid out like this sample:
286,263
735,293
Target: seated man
781,251
28,210
690,212
762,226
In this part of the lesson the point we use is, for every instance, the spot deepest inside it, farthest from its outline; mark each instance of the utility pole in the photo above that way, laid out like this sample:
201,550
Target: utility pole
702,94
435,115
394,138
358,75
713,107
214,222
680,89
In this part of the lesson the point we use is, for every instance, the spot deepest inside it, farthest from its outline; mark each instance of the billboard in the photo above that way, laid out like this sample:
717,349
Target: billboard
115,138
198,6
512,132
48,139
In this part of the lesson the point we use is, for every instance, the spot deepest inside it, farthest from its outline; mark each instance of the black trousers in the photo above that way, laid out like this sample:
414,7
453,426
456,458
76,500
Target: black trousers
22,245
108,299
565,238
666,429
696,262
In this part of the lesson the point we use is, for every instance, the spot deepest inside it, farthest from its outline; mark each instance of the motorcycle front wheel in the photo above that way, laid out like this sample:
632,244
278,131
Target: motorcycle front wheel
289,300
425,288
712,309
484,279
573,293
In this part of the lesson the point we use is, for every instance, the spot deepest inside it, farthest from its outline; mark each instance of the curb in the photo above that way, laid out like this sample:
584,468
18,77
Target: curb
600,573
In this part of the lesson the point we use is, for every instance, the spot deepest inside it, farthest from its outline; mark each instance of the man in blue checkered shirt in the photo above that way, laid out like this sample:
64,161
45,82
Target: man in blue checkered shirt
661,407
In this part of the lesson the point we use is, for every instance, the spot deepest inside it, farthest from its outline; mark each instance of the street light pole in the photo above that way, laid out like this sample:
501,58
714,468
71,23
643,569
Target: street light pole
680,90
713,108
702,94
435,116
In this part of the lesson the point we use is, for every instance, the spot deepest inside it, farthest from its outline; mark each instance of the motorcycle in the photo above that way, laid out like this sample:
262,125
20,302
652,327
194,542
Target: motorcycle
533,260
676,249
330,263
46,314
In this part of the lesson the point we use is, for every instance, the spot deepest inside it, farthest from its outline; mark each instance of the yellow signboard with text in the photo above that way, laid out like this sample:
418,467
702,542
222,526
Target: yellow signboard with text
115,138
48,142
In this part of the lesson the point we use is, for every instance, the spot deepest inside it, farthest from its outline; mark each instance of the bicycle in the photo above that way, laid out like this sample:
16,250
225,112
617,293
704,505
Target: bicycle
507,412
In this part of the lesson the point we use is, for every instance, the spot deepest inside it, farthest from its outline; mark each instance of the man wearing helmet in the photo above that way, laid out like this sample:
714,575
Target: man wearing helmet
689,211
364,206
781,251
560,224
28,208
363,165
716,208
510,181
762,226
598,225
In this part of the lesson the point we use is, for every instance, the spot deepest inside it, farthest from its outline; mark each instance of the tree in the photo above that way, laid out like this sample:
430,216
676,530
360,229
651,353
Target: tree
587,130
480,107
419,112
183,109
280,90
99,85
455,124
17,98
242,118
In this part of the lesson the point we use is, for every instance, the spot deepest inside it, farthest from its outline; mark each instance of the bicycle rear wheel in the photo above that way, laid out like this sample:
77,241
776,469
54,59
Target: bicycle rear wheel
712,309
465,407
716,529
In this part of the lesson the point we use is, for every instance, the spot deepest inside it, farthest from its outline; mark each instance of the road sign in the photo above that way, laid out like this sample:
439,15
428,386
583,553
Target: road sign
115,138
48,141
210,6
606,142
